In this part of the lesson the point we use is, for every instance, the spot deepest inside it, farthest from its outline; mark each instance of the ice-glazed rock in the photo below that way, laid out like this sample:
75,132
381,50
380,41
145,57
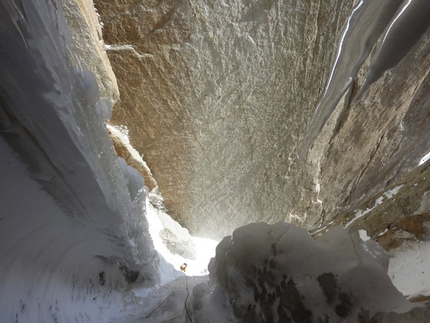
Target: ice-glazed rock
87,35
401,31
73,235
365,24
124,150
279,273
406,28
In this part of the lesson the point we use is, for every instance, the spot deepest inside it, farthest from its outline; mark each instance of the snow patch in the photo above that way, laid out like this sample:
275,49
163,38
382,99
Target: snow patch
409,268
204,250
424,204
129,48
387,195
363,235
321,228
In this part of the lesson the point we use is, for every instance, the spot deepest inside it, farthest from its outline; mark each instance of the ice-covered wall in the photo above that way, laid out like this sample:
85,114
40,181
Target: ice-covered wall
279,273
72,228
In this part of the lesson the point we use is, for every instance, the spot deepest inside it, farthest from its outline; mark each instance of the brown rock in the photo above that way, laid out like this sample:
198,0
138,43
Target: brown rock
125,151
217,96
387,242
404,210
415,225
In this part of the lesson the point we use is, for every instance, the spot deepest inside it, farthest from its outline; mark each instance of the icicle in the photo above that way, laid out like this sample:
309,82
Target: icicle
365,24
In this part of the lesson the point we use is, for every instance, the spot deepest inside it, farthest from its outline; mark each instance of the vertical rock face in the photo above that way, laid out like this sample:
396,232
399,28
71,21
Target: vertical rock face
217,95
87,35
131,156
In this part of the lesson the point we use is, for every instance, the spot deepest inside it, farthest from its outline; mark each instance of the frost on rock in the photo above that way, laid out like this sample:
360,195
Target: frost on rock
73,235
279,273
398,24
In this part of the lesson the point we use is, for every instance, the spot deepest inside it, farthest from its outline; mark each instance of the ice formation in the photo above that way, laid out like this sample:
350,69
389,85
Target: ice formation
401,23
75,244
72,228
279,273
407,27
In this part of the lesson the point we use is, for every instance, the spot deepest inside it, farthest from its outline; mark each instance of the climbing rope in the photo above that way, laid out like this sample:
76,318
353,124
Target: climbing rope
186,298
157,306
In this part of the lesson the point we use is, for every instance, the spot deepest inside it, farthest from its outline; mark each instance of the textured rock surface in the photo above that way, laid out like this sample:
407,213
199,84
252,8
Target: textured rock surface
124,150
87,35
217,95
402,206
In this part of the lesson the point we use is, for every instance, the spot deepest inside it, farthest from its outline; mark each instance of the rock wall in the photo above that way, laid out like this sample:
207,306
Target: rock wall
82,20
217,95
124,150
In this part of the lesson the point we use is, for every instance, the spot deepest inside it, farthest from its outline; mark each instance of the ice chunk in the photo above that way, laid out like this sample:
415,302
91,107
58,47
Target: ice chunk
274,273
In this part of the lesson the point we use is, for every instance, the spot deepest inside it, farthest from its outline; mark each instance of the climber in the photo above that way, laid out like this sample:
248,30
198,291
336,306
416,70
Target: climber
183,267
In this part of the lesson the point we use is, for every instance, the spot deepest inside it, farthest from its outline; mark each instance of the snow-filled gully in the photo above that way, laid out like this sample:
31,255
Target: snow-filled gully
79,241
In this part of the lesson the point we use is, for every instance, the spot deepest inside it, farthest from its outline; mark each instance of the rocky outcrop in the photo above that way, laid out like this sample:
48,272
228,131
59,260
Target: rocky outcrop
402,207
409,228
124,150
218,95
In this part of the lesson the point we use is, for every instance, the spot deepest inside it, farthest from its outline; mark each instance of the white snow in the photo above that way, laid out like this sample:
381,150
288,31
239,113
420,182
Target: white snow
363,235
72,228
205,250
128,48
380,234
387,195
279,272
409,268
424,159
424,204
321,228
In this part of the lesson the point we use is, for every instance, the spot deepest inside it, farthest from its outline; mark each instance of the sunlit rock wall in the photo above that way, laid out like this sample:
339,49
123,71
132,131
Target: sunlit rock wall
217,94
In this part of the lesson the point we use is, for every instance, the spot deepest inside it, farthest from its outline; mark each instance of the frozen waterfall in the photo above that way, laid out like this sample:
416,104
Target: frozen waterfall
72,225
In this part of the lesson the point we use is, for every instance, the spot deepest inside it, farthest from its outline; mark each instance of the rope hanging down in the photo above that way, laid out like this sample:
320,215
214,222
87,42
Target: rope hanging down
186,298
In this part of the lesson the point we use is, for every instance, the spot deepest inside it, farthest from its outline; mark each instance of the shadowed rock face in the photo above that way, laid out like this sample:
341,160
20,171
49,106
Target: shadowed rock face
217,96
